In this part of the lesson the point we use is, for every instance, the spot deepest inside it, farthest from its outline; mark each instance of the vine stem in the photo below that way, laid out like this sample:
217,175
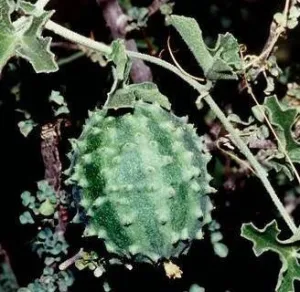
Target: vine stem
203,91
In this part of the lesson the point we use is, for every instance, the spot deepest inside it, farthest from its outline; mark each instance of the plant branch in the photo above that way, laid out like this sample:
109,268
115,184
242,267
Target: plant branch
50,136
203,90
275,32
281,147
105,49
70,59
117,21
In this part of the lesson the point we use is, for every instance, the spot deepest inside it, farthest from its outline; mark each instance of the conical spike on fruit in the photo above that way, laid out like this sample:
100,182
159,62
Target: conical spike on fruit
143,182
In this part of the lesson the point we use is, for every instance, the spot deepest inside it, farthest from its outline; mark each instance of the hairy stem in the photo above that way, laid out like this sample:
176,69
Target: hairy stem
203,91
261,173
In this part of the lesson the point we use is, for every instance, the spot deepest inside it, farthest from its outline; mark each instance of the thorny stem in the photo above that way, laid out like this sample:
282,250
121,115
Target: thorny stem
203,90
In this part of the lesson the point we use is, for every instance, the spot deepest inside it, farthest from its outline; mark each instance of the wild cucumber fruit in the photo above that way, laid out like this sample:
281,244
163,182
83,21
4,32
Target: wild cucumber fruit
144,182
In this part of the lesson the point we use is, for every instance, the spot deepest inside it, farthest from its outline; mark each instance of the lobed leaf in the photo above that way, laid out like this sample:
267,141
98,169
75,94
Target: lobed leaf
127,96
23,38
266,239
283,120
220,62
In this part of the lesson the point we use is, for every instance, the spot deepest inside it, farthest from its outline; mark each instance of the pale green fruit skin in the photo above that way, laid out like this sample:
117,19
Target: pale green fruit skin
144,182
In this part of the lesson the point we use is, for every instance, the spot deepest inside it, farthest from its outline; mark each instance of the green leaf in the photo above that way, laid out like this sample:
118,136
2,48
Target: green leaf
119,57
26,127
27,199
220,249
26,218
47,208
196,288
279,18
56,97
166,8
226,55
266,239
62,110
191,33
81,264
138,17
49,261
283,120
128,95
220,62
23,38
59,100
98,272
46,192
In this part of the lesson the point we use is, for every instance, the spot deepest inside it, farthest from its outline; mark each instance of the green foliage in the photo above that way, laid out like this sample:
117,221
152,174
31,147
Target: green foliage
50,243
51,246
292,20
138,17
283,121
266,239
23,38
60,104
216,237
50,281
120,59
44,203
8,281
26,127
90,260
196,288
222,61
142,172
142,176
127,96
26,218
256,133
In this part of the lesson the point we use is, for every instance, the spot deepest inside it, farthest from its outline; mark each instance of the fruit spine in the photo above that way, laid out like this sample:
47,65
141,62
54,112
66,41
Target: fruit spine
143,182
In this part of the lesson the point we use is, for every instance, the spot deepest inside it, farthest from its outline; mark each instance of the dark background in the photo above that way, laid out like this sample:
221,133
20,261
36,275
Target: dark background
85,85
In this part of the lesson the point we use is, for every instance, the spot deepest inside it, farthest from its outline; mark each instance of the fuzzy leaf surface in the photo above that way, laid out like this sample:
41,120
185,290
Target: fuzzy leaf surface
266,239
128,95
119,57
283,120
23,38
220,62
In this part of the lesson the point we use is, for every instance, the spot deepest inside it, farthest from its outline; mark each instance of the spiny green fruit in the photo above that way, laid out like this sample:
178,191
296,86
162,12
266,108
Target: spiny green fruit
144,182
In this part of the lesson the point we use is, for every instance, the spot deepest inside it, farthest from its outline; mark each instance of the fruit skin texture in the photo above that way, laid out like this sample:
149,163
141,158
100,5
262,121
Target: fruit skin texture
143,182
